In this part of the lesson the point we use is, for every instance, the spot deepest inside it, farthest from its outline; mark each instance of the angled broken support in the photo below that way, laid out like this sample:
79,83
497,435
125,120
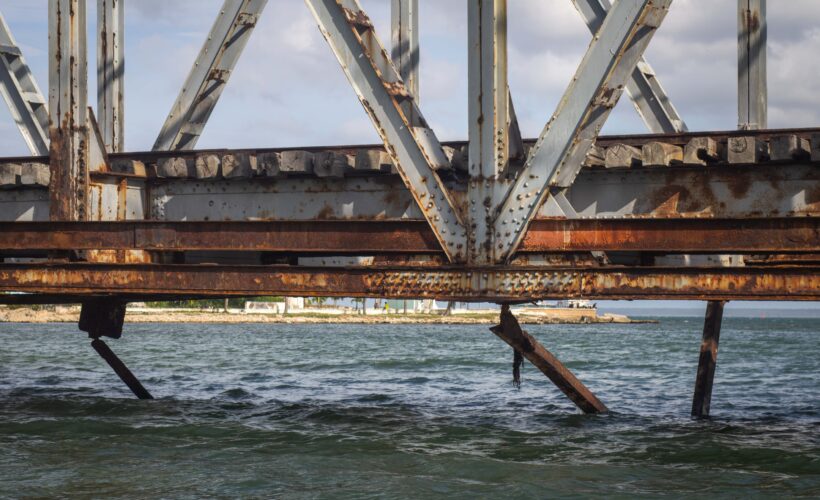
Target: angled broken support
702,399
111,73
510,332
643,87
209,75
556,158
21,93
414,150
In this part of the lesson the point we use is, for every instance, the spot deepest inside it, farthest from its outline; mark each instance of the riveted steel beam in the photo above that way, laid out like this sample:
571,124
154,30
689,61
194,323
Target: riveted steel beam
21,93
752,93
414,150
703,235
556,158
68,112
209,74
111,73
644,89
490,114
496,284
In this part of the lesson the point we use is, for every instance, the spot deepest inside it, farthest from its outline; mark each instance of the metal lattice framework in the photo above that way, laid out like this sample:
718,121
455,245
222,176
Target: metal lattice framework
668,215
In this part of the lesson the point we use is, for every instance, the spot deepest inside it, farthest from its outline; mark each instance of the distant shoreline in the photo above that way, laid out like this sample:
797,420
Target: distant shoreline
71,315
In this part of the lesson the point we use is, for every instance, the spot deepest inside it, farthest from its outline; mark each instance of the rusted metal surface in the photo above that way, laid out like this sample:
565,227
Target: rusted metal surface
68,129
510,332
708,359
479,284
674,235
364,237
415,237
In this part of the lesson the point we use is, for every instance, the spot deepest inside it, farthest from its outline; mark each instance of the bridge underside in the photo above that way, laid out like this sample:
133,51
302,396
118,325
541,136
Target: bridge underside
340,222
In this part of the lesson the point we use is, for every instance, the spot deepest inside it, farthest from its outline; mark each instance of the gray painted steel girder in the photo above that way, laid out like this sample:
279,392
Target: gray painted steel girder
21,93
111,73
415,151
650,99
209,75
556,158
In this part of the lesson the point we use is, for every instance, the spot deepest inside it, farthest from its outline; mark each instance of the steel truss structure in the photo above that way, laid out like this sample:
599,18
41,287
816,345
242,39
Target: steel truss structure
668,215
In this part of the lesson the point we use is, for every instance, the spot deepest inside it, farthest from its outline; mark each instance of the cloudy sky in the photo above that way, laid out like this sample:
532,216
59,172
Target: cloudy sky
288,89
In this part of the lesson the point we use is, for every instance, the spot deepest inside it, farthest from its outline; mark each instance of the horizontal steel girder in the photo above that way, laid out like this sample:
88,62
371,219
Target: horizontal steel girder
464,284
796,234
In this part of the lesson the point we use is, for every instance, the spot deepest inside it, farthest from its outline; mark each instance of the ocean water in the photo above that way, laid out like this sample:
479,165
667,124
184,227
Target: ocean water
352,411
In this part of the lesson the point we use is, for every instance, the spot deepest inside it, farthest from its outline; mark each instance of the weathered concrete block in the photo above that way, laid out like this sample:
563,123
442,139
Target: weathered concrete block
661,154
35,174
296,162
239,165
622,156
457,157
267,164
131,167
702,151
596,157
371,160
330,164
206,166
173,167
789,147
815,147
9,174
746,150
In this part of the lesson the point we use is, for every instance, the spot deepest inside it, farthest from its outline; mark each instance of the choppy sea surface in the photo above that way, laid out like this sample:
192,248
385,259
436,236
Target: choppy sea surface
353,411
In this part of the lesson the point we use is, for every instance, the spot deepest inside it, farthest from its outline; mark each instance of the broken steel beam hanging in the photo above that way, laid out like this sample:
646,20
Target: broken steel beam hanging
111,73
68,113
414,150
556,157
120,369
650,99
752,87
510,332
707,362
21,93
209,74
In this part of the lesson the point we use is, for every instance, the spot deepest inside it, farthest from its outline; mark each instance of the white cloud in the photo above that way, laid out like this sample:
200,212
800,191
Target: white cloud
288,88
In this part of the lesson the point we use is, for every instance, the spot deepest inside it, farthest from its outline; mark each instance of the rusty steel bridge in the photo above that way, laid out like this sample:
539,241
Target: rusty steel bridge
673,214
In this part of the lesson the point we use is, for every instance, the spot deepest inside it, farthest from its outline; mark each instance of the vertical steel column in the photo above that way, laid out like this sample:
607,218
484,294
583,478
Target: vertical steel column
111,73
68,114
708,359
21,93
489,116
405,49
752,89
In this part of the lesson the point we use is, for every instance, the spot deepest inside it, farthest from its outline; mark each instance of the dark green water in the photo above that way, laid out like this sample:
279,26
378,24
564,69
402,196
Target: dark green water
407,411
